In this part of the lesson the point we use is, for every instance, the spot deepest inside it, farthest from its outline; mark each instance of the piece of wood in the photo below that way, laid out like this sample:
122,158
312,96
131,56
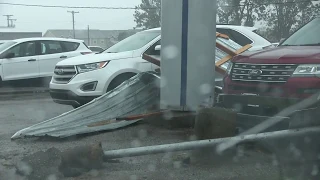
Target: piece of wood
222,35
227,58
220,70
102,123
140,116
151,59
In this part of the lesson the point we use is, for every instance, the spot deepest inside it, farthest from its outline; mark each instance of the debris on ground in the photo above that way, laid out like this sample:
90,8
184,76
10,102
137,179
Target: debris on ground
56,164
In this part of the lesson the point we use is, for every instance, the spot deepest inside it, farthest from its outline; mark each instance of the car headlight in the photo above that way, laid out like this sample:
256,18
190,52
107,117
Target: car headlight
307,69
229,68
91,67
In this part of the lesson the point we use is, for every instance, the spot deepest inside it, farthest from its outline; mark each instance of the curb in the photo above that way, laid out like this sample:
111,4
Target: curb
24,91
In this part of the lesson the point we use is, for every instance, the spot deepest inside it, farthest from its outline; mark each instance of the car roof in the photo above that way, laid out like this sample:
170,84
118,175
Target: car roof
46,39
220,26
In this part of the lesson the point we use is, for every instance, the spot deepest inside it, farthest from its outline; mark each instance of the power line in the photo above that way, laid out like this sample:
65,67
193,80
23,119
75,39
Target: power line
73,7
132,8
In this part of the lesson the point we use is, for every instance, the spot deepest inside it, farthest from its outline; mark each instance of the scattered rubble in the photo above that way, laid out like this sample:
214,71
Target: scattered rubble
56,164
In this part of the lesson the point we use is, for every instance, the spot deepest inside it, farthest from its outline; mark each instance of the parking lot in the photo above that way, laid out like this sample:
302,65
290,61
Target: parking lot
159,89
22,111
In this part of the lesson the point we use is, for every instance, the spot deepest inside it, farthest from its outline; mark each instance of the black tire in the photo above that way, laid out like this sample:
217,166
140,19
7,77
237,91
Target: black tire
0,82
119,79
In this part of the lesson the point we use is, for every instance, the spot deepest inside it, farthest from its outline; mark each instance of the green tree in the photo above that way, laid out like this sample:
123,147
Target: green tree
237,12
148,14
282,17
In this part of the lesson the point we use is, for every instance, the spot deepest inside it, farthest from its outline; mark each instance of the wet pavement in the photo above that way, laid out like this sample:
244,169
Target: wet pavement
22,111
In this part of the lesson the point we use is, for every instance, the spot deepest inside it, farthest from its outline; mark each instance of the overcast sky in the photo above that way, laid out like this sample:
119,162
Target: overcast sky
41,19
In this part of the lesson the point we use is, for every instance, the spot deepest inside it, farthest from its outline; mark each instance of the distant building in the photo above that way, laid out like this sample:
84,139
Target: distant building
102,38
18,35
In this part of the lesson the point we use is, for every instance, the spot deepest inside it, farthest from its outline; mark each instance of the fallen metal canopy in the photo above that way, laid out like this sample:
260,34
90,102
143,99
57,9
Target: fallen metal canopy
138,95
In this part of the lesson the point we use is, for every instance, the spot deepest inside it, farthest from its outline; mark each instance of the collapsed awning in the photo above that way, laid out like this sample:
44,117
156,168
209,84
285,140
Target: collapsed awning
138,95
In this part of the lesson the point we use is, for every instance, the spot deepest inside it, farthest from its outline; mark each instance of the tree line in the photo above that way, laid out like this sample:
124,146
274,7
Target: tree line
276,18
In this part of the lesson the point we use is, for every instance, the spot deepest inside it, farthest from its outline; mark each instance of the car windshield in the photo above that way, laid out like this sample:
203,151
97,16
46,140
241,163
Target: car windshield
133,42
5,45
96,49
308,35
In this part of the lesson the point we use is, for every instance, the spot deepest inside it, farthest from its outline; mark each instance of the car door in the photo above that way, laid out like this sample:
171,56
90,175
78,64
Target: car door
50,54
23,63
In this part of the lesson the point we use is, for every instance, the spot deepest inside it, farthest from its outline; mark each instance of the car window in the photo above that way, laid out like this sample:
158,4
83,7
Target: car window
239,38
235,36
308,35
133,42
152,51
96,49
23,49
6,45
224,31
69,46
50,47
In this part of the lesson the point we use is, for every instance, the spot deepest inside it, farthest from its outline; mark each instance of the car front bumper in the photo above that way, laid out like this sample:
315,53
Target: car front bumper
69,98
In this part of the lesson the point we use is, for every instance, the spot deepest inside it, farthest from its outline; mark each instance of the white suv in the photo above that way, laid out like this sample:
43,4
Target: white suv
36,57
81,79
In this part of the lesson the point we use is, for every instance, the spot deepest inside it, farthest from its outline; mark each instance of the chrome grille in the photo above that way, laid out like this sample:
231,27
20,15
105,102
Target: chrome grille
63,74
279,73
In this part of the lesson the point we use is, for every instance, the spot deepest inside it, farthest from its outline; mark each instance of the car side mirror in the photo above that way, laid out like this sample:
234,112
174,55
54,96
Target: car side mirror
158,48
9,55
281,40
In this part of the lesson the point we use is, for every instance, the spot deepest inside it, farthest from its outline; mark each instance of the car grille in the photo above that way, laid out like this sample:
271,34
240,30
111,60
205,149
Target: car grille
271,73
63,74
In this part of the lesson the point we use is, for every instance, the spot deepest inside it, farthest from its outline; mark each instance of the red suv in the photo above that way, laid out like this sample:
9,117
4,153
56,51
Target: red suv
277,77
291,70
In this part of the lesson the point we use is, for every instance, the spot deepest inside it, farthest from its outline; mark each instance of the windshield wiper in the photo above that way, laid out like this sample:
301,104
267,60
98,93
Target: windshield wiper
289,45
313,44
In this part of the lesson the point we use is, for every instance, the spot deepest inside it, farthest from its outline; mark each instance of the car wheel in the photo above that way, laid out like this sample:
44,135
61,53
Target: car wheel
119,79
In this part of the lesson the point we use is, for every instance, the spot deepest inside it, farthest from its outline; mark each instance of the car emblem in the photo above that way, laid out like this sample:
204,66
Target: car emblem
255,72
59,71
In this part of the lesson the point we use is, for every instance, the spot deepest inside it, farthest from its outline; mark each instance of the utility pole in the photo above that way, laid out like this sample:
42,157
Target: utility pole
73,23
88,35
8,19
12,24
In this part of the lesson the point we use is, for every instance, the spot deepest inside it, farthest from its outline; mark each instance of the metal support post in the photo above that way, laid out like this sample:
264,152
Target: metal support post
185,146
188,37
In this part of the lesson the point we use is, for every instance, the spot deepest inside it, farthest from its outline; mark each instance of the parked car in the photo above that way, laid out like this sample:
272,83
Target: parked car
2,41
79,80
96,49
244,35
290,71
36,57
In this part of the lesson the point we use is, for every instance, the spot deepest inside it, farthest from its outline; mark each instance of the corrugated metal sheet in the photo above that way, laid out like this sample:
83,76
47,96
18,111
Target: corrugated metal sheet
140,94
